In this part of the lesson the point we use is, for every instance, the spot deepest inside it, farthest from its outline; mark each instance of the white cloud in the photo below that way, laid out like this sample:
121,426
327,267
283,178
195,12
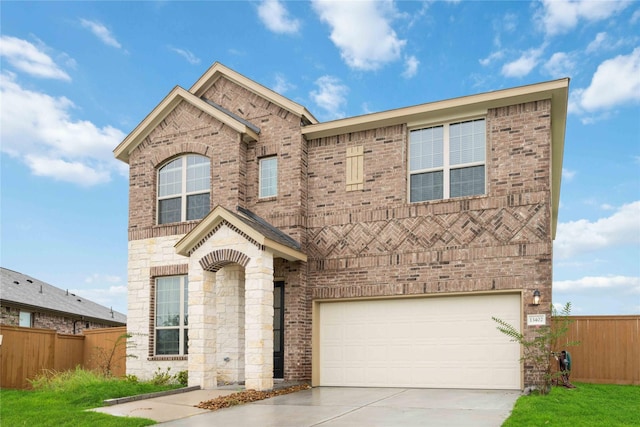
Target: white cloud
362,31
559,65
282,85
623,227
561,16
276,18
523,65
102,278
629,283
38,129
189,56
606,207
330,96
597,43
99,30
26,57
616,81
411,67
635,17
568,174
492,57
113,296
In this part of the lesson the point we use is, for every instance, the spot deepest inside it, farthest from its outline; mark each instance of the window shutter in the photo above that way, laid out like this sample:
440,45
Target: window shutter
355,168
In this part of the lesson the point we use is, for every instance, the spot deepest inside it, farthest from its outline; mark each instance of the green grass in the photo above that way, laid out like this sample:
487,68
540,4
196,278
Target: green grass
587,405
62,400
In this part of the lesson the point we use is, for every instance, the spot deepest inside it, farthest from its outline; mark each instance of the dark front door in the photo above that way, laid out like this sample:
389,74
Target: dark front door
278,330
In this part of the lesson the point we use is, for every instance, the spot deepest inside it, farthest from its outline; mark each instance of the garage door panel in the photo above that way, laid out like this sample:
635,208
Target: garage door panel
420,342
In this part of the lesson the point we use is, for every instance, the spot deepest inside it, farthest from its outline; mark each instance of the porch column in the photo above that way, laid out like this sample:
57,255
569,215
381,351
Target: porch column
202,328
259,322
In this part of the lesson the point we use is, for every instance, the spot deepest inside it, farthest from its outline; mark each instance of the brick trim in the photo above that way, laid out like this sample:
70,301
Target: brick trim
160,271
215,260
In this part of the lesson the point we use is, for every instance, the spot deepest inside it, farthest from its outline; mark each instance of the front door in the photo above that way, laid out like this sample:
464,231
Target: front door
278,330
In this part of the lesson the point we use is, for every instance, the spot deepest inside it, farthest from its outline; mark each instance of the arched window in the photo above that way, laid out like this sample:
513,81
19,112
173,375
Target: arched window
184,187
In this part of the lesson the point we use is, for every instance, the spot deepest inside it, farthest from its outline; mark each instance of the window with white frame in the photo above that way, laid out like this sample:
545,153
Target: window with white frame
171,315
184,187
268,177
447,161
25,319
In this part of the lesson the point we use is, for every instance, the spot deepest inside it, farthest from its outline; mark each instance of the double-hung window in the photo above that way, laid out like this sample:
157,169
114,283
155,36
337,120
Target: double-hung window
184,186
268,177
447,161
171,315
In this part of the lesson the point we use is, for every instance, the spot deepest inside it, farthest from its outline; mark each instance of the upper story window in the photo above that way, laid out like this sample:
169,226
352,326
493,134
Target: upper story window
171,315
268,177
447,161
184,186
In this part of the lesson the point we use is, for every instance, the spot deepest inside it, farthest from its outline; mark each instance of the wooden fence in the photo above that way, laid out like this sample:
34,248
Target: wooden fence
27,352
609,349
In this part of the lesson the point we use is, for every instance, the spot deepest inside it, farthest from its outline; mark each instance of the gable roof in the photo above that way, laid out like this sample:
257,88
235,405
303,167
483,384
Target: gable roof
25,291
218,70
248,223
248,131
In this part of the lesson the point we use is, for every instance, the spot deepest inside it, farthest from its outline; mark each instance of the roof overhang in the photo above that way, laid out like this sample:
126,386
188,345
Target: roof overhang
218,70
557,91
171,101
220,214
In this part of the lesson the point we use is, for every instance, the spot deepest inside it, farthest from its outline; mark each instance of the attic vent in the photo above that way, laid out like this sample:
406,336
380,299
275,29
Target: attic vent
16,282
79,300
29,280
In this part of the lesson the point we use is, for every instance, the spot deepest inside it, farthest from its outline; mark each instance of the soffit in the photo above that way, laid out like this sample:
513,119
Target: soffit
166,106
254,227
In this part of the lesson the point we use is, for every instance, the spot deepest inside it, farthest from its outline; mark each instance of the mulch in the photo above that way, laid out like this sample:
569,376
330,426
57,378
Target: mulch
247,396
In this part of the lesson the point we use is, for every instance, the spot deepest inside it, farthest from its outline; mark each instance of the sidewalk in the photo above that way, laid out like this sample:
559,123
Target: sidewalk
168,407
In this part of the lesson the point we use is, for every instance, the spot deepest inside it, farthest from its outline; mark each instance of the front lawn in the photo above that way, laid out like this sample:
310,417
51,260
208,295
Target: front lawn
586,405
64,401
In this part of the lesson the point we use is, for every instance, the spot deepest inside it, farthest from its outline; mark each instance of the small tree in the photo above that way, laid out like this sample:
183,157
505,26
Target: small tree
537,350
107,358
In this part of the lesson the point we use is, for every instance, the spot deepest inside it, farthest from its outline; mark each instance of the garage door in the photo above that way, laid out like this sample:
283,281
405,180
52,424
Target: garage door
439,342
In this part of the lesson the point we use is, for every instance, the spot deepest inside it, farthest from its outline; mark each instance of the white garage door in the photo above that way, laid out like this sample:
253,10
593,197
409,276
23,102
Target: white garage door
441,342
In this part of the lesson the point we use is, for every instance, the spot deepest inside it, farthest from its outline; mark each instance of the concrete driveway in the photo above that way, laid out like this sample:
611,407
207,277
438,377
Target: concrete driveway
344,406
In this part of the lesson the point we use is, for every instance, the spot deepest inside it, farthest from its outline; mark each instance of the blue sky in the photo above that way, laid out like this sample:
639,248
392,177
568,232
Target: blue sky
77,77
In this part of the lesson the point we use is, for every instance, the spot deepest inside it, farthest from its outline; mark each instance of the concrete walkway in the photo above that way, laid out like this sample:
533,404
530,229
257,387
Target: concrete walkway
336,407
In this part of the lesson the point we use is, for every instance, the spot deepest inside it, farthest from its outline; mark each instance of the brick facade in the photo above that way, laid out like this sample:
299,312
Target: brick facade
10,316
363,243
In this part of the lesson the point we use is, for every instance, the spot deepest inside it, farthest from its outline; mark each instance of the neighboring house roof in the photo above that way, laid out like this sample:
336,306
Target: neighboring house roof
459,108
32,294
248,223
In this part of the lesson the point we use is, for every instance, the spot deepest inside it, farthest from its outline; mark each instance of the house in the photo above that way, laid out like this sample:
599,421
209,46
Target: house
366,251
29,302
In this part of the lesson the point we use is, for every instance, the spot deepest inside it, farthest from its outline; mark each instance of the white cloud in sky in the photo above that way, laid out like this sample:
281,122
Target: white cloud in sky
615,82
560,64
330,96
568,174
362,31
411,67
597,43
635,17
275,17
99,30
523,65
282,85
629,283
494,56
26,57
38,129
102,278
561,16
189,56
622,227
114,296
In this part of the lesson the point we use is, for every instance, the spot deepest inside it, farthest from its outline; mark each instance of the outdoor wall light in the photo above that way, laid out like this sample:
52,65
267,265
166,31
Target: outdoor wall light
536,297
